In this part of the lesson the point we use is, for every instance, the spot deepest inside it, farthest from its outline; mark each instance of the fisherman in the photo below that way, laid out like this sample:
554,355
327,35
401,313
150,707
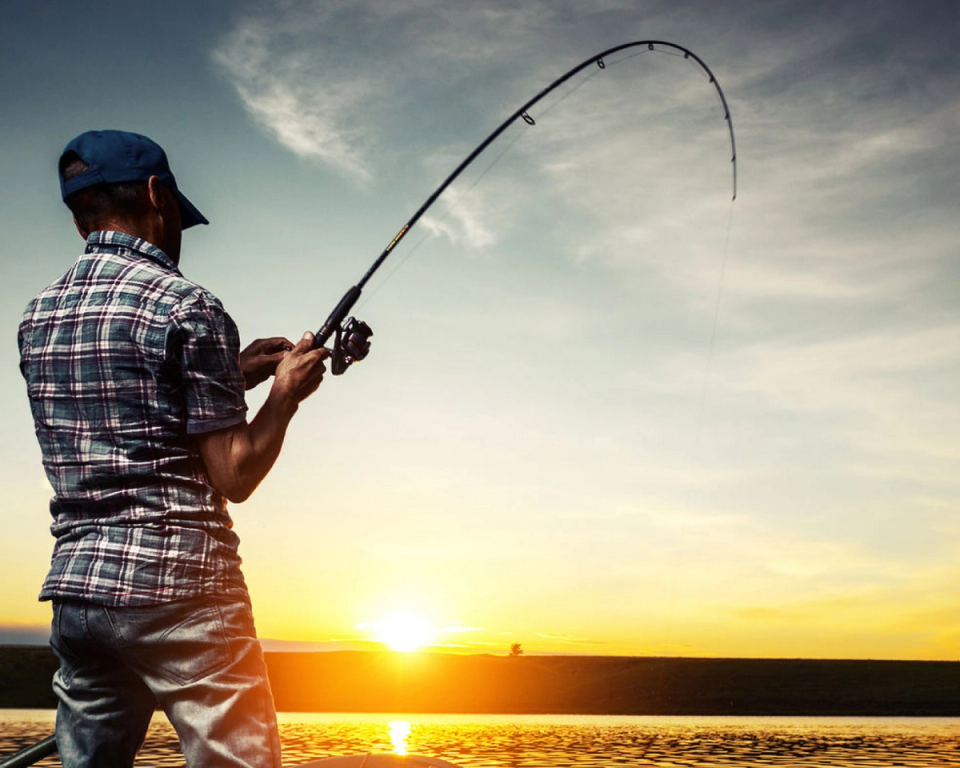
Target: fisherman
136,383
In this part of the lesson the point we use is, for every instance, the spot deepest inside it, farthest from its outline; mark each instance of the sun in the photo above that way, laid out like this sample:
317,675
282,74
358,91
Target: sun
404,631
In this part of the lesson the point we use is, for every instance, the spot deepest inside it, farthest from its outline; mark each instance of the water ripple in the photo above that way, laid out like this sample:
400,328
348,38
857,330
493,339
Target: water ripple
577,742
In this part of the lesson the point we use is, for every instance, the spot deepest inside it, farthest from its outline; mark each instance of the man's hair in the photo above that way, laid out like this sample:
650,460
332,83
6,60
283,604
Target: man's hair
97,204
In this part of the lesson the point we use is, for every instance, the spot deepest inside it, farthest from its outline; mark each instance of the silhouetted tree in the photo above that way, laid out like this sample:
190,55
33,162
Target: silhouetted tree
515,649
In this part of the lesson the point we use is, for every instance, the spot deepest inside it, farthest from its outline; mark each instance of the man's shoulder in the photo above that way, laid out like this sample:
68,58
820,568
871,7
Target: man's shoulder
149,288
146,282
52,290
140,273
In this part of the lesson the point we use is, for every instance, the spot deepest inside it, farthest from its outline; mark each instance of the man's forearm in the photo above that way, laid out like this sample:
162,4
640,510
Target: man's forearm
239,457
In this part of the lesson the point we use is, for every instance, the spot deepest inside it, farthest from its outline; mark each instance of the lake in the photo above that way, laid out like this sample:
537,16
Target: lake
561,741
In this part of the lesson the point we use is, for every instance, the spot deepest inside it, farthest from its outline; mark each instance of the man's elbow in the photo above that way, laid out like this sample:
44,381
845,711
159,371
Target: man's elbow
230,481
236,490
231,467
238,496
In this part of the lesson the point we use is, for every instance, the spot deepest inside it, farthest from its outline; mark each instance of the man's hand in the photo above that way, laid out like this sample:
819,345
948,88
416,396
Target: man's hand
259,361
300,371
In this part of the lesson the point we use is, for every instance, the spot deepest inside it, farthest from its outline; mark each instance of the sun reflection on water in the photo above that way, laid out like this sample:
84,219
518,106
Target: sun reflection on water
561,741
399,733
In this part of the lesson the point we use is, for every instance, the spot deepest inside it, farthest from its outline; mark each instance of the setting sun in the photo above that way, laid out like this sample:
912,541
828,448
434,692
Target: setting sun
404,631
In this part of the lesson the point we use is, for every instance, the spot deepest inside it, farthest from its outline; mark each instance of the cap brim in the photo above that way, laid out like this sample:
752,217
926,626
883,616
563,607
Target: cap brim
189,215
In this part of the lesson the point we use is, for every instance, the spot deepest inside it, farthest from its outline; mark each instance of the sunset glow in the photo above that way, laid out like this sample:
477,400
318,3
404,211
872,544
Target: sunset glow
404,632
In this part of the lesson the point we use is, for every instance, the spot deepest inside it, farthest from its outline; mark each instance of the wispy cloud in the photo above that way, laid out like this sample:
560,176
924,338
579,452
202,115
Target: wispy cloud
571,639
326,95
278,87
887,391
329,98
455,628
465,223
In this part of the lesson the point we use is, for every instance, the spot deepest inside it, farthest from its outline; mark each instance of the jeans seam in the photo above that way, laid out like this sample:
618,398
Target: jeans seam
223,640
118,636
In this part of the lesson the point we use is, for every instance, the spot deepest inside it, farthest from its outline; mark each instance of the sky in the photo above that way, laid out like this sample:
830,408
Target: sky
607,410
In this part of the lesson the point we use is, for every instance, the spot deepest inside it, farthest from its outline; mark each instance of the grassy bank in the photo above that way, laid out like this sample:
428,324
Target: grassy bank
390,682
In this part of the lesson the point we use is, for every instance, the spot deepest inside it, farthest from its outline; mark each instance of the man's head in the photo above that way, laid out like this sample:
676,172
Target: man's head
120,180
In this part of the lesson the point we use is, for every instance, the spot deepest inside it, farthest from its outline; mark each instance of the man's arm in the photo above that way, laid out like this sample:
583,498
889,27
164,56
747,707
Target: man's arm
239,457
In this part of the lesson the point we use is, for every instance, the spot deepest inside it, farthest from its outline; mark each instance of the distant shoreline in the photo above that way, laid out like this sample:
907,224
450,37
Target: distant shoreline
364,681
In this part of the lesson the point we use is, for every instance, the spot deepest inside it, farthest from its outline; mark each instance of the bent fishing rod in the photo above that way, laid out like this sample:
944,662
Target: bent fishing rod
352,336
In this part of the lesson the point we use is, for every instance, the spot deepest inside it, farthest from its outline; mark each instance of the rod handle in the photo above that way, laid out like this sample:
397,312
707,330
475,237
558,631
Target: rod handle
337,316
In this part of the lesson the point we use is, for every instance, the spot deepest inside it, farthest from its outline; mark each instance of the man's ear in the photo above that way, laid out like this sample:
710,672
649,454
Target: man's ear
155,189
83,232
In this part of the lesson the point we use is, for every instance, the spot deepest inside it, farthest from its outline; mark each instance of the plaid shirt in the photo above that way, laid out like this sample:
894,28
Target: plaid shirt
125,360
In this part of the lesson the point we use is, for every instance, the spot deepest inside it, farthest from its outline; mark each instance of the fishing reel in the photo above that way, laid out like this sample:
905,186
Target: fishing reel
351,343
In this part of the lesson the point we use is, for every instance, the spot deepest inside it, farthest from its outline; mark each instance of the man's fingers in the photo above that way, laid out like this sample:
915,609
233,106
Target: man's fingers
268,346
276,345
305,344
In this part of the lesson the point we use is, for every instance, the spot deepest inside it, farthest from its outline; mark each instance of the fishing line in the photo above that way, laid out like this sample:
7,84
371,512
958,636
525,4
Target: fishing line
335,322
450,209
666,632
713,331
453,204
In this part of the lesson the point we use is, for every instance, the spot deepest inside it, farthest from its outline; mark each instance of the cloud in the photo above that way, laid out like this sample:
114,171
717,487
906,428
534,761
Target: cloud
272,645
572,639
845,192
749,542
887,391
278,88
913,610
455,627
311,72
312,75
464,223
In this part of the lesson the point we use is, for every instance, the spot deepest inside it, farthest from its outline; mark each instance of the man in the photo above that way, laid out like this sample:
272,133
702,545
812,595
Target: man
136,384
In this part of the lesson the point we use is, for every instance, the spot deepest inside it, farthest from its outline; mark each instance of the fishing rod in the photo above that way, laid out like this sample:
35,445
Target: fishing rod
32,754
352,336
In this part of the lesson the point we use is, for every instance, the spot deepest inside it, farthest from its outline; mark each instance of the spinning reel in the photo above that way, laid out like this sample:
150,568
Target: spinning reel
351,343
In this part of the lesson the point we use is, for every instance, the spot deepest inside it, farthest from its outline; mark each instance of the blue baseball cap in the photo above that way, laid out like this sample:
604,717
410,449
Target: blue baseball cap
114,157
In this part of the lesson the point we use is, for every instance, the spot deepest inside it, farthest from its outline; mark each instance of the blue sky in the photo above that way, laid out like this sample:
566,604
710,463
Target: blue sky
607,411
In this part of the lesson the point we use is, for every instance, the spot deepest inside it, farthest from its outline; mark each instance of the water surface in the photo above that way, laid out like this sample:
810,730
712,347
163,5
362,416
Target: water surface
559,741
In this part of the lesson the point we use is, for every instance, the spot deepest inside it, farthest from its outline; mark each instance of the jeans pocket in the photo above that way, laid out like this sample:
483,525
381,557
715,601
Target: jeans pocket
193,648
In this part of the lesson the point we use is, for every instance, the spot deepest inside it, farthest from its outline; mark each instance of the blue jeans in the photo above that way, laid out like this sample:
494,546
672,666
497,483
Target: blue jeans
198,659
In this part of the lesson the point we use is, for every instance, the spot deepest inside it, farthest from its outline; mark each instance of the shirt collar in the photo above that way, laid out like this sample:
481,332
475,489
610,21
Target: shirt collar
110,241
